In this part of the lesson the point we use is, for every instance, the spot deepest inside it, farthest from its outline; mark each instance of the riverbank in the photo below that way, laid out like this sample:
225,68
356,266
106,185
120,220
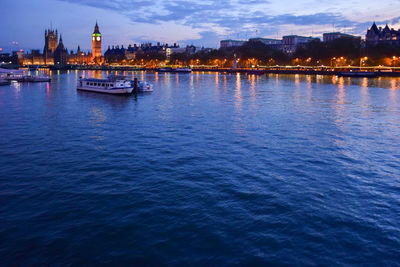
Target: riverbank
305,70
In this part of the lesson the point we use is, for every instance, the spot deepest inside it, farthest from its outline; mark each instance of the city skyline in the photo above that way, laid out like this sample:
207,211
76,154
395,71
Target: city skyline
186,22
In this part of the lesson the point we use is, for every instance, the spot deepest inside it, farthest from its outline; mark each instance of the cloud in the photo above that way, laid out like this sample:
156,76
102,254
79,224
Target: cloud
229,18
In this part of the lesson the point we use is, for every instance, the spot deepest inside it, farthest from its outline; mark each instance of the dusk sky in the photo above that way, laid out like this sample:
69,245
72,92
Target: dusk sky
202,23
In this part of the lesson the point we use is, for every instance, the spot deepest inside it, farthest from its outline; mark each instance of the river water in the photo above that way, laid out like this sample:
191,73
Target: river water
209,169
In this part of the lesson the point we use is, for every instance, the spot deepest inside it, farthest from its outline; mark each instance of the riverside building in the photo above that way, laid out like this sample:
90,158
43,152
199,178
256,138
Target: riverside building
382,36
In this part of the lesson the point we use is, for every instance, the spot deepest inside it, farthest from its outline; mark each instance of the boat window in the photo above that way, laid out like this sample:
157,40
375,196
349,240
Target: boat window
102,84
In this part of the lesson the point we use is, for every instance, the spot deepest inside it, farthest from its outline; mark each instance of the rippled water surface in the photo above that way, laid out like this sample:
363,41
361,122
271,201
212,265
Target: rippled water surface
209,169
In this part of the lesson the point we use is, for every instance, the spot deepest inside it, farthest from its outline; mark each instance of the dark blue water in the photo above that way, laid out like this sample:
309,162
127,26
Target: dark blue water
209,169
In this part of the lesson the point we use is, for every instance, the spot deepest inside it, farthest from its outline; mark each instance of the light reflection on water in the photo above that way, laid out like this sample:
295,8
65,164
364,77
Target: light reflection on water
238,91
242,160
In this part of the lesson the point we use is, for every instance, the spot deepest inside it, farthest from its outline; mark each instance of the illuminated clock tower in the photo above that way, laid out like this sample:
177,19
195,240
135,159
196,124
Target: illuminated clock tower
96,43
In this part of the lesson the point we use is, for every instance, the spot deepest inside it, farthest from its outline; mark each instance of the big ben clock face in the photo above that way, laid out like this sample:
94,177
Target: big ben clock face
98,38
93,38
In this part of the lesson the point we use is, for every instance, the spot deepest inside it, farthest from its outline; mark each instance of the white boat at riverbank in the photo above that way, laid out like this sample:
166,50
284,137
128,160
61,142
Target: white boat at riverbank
111,85
144,87
3,82
21,76
28,78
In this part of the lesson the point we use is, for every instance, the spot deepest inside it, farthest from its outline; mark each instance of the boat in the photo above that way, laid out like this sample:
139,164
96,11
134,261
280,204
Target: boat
20,76
27,78
144,87
358,74
181,70
184,70
115,85
4,82
256,72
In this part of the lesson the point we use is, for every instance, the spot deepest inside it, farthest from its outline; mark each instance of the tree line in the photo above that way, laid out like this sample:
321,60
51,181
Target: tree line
339,52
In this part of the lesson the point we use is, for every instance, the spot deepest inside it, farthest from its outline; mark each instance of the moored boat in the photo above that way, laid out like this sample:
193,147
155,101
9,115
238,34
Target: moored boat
144,87
181,70
184,70
359,74
28,78
4,82
21,76
111,85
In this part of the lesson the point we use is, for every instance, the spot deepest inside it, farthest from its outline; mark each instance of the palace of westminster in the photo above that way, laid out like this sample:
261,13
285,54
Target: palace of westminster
54,52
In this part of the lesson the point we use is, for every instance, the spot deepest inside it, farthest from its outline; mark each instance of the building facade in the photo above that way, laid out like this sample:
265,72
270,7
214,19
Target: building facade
384,36
231,43
275,43
291,42
328,37
145,51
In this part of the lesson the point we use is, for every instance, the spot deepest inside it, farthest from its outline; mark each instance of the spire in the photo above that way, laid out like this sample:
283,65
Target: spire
387,27
60,39
79,49
96,28
374,27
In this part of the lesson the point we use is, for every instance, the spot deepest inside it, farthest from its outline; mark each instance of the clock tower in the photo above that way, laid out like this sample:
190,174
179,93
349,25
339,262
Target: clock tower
96,43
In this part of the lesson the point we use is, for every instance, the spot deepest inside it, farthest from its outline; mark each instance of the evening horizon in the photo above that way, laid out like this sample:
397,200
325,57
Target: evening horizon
184,22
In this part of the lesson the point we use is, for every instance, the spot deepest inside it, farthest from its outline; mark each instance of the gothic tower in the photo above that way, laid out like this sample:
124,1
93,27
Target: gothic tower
96,43
50,44
61,54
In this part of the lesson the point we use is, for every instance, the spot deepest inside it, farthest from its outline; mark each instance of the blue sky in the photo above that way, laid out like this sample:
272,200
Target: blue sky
202,23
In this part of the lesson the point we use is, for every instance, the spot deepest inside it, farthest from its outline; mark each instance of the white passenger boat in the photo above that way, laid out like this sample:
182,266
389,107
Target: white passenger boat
112,85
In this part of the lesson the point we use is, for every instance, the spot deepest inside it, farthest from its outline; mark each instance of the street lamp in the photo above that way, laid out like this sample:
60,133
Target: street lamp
362,60
332,59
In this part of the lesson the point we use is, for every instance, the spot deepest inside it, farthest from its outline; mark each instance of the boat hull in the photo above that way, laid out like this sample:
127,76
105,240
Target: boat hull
30,79
4,82
358,74
112,91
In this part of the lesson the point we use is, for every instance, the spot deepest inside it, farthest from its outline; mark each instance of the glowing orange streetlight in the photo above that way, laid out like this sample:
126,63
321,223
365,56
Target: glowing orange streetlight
394,60
362,60
334,58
